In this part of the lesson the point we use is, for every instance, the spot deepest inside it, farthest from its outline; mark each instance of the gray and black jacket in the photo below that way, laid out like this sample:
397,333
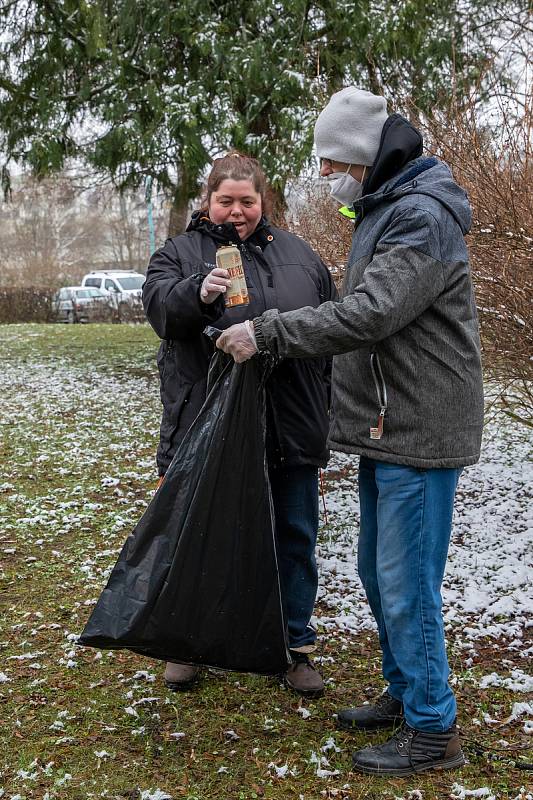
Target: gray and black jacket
281,272
406,381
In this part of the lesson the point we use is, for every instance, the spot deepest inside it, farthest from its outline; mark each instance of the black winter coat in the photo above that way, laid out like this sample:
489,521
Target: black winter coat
281,272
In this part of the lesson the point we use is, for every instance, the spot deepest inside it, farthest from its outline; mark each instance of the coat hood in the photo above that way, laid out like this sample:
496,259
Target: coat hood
427,176
400,169
400,143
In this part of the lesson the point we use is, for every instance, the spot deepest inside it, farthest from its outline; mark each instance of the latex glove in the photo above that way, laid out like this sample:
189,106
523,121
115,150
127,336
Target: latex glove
239,341
214,284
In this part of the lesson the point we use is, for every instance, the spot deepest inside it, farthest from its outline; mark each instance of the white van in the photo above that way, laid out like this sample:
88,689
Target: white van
122,287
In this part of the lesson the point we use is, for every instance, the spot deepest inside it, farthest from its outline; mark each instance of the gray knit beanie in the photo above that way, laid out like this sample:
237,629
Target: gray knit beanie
349,128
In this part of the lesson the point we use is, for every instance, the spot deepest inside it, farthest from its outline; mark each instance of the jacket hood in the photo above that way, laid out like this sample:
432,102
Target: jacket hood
400,169
226,233
427,176
400,143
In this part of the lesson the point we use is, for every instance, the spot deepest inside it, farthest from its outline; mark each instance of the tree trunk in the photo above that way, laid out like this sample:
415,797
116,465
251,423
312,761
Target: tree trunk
178,217
185,189
278,208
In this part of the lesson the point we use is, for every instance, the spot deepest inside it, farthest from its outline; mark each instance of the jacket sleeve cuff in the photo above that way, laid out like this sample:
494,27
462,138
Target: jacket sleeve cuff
210,311
259,336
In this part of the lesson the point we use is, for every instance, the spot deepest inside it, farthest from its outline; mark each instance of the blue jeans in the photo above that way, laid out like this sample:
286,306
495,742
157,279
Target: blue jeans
406,519
295,498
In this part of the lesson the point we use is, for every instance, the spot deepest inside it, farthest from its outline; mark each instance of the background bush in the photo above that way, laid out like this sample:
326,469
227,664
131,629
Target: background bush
26,304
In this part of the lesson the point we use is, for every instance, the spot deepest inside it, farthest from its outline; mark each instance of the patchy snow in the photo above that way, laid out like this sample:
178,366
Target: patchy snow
487,587
486,592
330,744
517,682
525,794
281,772
154,794
321,762
458,792
518,710
144,675
64,779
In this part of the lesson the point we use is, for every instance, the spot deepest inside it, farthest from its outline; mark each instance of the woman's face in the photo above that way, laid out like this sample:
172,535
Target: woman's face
237,202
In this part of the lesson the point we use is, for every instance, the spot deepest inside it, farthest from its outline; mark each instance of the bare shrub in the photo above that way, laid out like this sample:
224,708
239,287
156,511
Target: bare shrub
317,220
495,167
129,313
57,229
26,304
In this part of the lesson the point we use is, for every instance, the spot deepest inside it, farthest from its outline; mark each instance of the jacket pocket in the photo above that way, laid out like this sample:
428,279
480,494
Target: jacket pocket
381,391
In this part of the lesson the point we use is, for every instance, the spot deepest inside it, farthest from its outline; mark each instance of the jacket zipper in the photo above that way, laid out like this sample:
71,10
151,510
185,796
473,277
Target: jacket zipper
245,251
253,265
274,417
381,389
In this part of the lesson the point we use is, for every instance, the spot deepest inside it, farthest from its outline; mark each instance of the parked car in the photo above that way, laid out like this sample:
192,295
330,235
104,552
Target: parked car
122,287
79,304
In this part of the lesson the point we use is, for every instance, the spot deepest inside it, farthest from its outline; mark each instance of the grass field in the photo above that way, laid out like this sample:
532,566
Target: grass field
80,413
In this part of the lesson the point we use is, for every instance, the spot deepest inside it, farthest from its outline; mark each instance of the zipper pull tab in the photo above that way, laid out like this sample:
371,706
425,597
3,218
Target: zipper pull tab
246,252
377,433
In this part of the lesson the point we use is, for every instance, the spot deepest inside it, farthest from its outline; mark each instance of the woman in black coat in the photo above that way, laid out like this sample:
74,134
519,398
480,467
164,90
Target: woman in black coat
183,293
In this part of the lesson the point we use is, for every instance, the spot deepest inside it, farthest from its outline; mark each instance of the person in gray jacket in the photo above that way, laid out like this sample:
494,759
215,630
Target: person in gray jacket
407,397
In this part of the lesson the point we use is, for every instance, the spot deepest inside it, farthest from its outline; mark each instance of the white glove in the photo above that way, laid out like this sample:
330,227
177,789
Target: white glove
214,284
239,341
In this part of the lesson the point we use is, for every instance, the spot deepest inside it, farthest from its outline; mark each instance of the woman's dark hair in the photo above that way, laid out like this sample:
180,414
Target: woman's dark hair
238,167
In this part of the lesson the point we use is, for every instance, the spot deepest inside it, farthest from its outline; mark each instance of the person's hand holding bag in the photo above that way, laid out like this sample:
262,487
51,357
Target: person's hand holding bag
214,284
239,341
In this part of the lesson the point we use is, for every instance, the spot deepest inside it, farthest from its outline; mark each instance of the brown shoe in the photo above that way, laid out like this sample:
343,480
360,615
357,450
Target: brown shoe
180,677
303,677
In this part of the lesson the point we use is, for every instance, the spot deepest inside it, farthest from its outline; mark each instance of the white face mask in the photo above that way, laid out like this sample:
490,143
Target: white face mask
344,187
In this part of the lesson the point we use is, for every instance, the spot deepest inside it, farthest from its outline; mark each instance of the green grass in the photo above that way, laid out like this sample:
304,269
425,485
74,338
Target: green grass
80,414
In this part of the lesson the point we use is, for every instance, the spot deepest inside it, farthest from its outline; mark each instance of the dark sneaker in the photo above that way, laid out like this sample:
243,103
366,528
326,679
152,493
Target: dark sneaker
180,677
303,677
408,752
386,712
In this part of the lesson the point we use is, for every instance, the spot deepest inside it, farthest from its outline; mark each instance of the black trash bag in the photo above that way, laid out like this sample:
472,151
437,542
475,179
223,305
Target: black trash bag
197,581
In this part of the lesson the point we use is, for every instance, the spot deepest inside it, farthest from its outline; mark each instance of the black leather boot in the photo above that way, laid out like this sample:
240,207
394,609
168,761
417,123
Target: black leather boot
386,712
408,752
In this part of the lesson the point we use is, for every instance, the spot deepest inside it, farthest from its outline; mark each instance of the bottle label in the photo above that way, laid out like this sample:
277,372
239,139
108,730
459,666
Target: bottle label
230,258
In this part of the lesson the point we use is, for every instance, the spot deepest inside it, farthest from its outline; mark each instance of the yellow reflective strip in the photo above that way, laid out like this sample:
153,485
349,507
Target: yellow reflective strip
347,212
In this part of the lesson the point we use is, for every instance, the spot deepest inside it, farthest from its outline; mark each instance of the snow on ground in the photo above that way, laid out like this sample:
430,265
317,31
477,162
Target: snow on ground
87,420
83,437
